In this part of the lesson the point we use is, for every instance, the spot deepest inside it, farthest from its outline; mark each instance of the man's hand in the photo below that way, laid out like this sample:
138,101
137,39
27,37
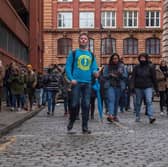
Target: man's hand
73,82
114,75
96,74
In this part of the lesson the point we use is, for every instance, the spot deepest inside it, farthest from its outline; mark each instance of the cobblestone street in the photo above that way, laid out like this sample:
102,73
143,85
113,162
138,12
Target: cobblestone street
43,142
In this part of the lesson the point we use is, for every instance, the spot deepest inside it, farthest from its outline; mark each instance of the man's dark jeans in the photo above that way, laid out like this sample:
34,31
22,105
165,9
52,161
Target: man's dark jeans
81,93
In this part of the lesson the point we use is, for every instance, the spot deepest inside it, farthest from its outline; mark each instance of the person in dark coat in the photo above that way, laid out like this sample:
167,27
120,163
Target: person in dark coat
52,83
144,80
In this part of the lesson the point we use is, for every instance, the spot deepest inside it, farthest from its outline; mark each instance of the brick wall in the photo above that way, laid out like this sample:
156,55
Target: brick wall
165,32
52,34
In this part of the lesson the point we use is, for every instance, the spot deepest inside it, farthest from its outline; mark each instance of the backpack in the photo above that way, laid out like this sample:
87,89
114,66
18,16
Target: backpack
74,54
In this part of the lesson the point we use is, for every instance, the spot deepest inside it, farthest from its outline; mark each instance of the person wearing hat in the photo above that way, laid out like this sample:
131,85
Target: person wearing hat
144,80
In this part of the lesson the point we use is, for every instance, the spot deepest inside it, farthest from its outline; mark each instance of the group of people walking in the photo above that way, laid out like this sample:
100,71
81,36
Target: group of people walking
116,84
18,86
24,86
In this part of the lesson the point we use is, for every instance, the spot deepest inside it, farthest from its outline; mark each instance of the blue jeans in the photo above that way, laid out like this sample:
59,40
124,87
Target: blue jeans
123,100
113,100
44,96
81,91
18,101
51,100
39,94
8,95
147,94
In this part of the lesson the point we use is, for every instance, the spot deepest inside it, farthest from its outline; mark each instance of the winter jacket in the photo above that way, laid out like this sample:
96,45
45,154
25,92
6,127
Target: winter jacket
110,80
16,84
40,79
144,76
161,80
52,81
31,80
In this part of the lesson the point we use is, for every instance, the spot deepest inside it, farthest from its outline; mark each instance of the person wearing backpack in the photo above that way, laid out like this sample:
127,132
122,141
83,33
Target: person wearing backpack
80,68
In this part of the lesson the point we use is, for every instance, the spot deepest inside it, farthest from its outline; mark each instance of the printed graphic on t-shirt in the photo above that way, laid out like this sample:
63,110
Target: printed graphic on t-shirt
84,62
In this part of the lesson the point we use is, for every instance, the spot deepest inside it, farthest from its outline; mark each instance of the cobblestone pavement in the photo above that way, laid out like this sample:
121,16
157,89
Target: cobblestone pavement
43,142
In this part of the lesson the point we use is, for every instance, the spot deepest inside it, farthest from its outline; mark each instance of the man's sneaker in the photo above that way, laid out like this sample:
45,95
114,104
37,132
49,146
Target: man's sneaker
86,131
152,120
161,113
48,113
70,126
110,118
65,114
12,109
77,117
116,119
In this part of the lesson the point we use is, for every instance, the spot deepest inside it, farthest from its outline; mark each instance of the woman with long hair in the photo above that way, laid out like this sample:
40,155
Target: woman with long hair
113,74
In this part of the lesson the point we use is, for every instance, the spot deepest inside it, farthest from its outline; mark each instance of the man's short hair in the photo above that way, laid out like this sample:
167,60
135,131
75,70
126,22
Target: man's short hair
83,33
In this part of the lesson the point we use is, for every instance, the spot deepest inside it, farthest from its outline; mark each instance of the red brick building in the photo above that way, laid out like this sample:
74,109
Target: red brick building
21,32
127,27
165,30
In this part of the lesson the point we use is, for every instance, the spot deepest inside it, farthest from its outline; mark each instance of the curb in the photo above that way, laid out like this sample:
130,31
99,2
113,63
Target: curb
15,124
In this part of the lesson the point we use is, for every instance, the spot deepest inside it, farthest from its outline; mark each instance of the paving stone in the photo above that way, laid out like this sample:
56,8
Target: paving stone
43,141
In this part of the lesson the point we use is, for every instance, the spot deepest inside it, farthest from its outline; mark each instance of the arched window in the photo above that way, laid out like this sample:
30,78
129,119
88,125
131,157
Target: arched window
153,46
108,46
64,46
91,44
130,46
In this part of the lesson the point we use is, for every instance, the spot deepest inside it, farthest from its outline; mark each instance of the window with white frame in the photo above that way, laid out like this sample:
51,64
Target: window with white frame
86,20
130,19
108,0
87,0
65,20
131,0
152,0
64,0
152,19
108,19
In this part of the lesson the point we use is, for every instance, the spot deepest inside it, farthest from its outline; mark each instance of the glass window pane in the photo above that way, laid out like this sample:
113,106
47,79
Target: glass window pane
86,20
130,46
108,46
153,19
130,18
108,19
64,46
91,45
65,20
153,46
